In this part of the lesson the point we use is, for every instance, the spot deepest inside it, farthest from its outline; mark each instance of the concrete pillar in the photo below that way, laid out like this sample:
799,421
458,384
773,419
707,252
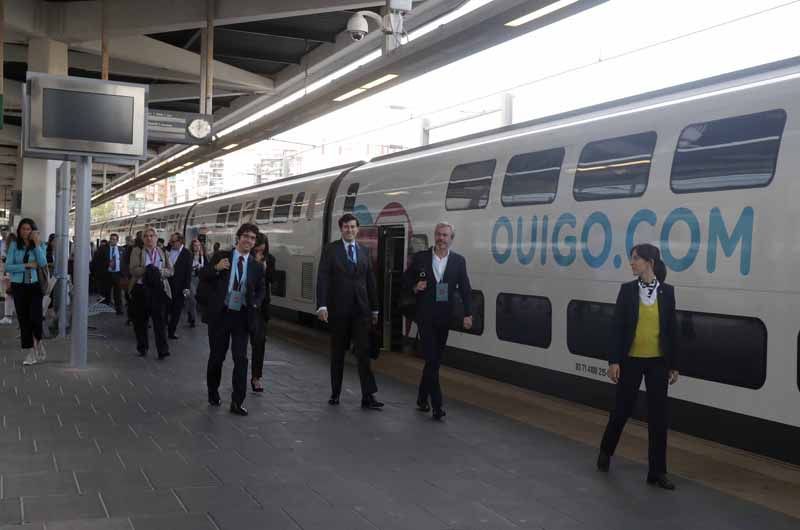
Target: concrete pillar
39,176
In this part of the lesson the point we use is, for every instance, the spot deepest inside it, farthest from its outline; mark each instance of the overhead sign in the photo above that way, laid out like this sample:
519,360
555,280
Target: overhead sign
69,117
179,127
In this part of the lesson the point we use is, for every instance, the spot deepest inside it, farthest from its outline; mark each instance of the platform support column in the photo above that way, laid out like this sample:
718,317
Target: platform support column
80,290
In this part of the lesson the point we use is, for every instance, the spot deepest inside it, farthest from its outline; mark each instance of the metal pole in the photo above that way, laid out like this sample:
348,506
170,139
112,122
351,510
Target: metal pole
80,291
508,109
207,61
104,40
63,202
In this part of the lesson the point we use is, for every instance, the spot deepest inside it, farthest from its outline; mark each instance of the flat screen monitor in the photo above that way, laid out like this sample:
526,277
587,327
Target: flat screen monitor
69,115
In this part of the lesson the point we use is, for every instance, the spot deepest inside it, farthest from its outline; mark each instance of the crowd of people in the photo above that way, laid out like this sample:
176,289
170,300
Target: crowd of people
230,292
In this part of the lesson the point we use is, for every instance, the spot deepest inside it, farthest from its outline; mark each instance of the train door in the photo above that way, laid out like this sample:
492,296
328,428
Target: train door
389,276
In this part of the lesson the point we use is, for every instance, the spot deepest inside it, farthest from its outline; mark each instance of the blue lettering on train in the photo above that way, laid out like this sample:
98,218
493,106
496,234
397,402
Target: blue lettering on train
525,237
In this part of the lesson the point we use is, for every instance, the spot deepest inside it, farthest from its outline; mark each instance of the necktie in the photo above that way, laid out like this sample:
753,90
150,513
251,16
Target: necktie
351,252
114,260
239,272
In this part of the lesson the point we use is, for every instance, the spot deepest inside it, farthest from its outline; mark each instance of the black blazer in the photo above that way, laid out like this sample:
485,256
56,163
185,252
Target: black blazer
455,276
121,251
626,317
218,287
345,290
182,271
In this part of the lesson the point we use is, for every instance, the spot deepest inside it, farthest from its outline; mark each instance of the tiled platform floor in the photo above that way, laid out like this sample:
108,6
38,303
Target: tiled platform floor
131,443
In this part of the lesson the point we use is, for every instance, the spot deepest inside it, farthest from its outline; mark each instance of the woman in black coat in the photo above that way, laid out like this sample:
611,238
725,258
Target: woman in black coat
258,336
645,330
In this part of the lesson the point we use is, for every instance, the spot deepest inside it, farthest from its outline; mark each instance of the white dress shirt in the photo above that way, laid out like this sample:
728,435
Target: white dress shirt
439,265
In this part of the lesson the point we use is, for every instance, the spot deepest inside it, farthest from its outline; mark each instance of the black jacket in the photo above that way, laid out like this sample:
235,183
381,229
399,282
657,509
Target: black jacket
182,271
218,287
455,276
270,268
626,317
345,290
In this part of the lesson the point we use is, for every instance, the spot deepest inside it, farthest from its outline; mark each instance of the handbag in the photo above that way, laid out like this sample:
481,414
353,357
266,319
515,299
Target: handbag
43,275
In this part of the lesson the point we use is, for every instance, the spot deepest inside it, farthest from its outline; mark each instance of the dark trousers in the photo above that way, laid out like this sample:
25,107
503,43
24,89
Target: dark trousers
656,379
258,342
28,305
148,304
343,330
175,310
433,338
112,287
228,329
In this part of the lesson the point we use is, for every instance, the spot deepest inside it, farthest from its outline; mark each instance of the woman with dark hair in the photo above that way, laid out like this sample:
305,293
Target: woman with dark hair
645,330
258,336
23,260
199,261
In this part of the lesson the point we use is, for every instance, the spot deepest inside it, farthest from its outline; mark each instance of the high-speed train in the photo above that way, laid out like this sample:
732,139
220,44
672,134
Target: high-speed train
545,213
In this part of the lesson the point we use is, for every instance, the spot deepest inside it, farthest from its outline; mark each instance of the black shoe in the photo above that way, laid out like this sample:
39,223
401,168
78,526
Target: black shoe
661,481
238,409
371,403
173,336
162,356
192,324
214,400
142,353
334,400
438,414
423,406
603,461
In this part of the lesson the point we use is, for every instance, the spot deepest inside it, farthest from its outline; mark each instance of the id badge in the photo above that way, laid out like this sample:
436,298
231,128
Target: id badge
441,292
235,301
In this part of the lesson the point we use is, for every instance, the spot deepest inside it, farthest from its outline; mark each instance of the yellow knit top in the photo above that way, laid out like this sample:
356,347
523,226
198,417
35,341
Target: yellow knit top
645,342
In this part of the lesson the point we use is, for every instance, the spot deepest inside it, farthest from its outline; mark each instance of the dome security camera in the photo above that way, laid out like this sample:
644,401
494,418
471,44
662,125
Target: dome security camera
357,27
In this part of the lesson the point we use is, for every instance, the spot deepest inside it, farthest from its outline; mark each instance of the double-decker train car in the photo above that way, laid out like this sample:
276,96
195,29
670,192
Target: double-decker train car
546,213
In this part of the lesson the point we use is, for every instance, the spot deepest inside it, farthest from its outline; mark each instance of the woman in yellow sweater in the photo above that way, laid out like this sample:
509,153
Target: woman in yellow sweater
645,330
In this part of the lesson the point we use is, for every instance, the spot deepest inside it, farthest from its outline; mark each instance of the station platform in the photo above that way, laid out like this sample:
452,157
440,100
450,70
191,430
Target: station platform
131,443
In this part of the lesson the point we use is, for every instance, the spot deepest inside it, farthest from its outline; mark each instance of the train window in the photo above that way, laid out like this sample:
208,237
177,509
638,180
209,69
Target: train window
298,205
469,186
234,214
264,210
477,315
727,154
524,319
590,329
222,215
248,211
282,207
532,178
723,348
614,168
312,203
350,198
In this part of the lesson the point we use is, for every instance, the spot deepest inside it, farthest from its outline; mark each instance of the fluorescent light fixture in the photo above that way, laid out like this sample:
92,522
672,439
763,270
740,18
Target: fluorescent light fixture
153,179
229,147
539,13
350,94
380,81
175,169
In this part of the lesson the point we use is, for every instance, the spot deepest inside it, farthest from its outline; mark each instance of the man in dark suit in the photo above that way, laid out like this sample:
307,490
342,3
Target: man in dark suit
112,278
236,290
435,275
347,299
180,282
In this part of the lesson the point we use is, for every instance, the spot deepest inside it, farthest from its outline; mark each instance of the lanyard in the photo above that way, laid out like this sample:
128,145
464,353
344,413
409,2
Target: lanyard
236,277
153,255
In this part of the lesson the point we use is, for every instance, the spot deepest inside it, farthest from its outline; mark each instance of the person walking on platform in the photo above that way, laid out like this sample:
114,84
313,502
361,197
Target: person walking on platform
8,309
347,299
24,259
645,328
180,282
199,261
258,336
235,292
125,275
150,292
436,275
113,277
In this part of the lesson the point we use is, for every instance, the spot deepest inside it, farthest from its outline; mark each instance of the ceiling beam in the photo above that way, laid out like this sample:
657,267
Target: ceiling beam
281,33
151,52
76,22
178,92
